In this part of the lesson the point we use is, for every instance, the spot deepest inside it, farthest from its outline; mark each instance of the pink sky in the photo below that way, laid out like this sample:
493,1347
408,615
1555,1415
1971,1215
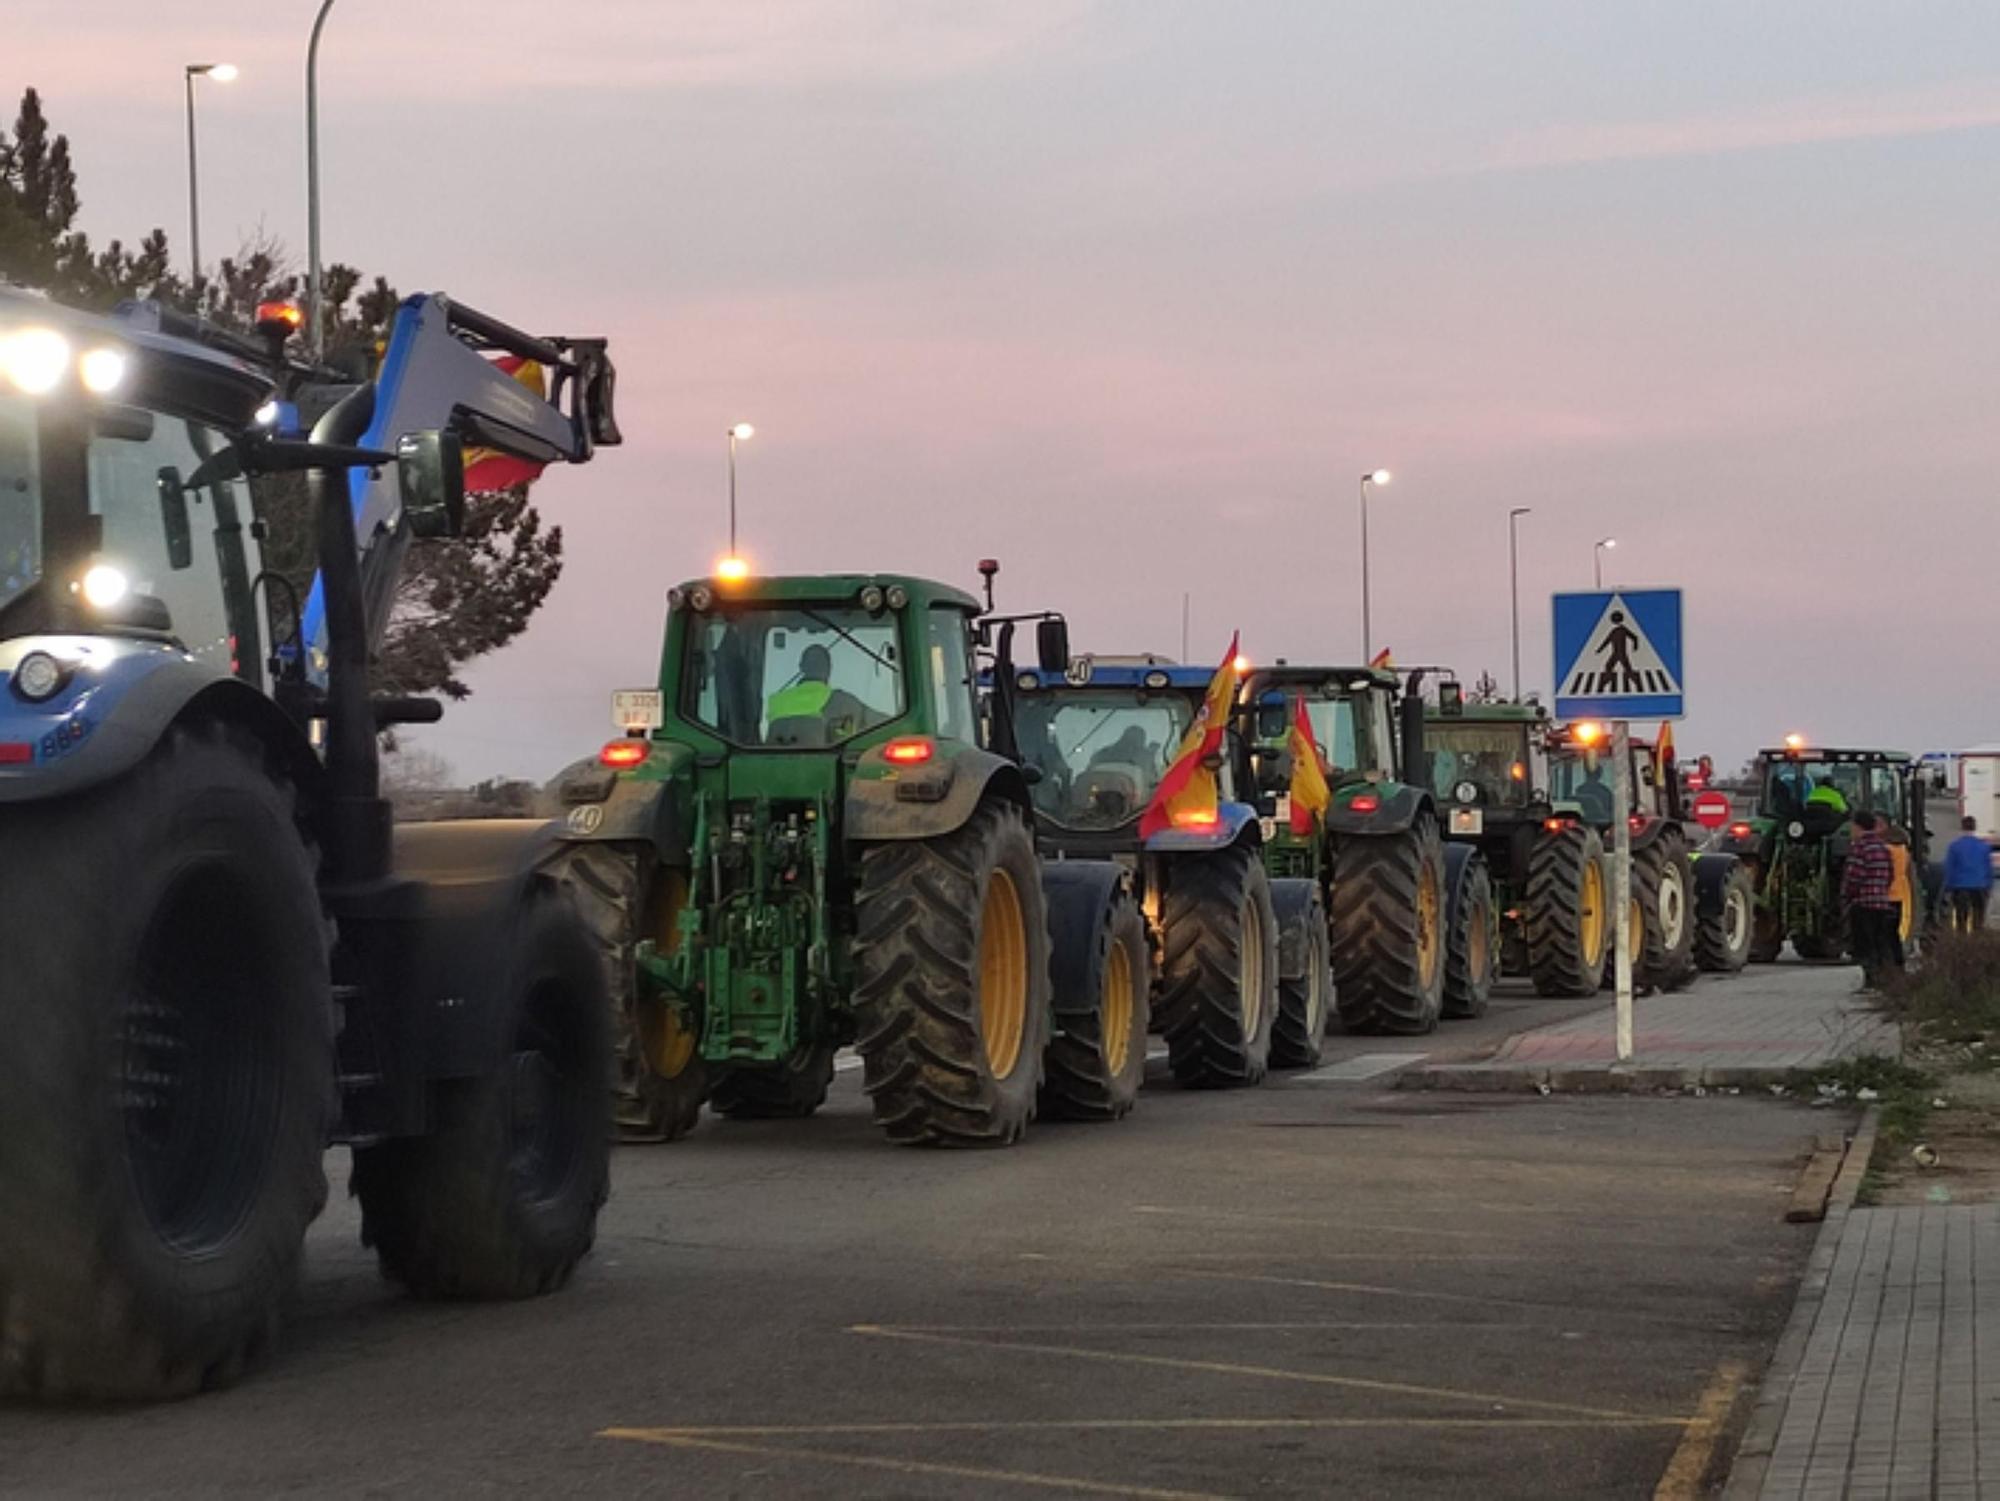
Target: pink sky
1129,294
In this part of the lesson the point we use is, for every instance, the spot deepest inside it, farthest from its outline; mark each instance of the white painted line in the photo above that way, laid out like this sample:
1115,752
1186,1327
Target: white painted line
846,1060
1361,1066
1156,1052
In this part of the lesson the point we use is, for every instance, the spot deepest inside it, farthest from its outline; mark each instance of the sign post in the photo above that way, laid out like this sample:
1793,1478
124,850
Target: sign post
1618,657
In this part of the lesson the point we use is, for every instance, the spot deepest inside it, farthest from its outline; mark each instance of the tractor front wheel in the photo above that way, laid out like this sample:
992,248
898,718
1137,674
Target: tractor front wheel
1219,980
167,1076
1096,1059
1389,930
1663,884
1472,929
1722,935
1569,921
1305,994
951,968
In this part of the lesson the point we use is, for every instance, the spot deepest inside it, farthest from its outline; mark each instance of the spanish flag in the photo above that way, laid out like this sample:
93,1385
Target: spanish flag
1382,661
1186,796
1310,793
1663,753
488,468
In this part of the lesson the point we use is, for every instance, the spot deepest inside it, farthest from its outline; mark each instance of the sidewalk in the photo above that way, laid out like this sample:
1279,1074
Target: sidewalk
1897,1391
1752,1029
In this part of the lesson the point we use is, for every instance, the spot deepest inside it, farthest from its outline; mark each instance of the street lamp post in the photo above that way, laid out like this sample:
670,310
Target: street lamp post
221,73
738,433
1514,585
1604,545
1372,477
315,323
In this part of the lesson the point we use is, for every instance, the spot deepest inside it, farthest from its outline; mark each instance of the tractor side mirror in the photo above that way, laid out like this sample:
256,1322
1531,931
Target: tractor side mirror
1052,644
174,519
430,471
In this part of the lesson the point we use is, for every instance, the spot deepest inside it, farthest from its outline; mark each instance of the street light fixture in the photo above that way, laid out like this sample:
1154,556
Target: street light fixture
221,73
1514,585
738,433
315,320
1604,545
1372,477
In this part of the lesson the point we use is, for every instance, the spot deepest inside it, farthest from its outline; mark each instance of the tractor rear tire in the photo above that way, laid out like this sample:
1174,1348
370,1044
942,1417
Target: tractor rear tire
1472,933
1569,919
1722,937
1219,978
951,986
1305,997
791,1090
1096,1059
660,1080
1663,882
1389,930
1767,931
1822,947
167,1077
500,1198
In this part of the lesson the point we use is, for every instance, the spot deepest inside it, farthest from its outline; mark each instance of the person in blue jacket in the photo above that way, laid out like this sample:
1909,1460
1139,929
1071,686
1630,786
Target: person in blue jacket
1968,878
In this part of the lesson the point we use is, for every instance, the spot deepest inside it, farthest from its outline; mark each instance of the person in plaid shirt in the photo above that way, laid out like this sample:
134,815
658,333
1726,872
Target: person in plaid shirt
1874,915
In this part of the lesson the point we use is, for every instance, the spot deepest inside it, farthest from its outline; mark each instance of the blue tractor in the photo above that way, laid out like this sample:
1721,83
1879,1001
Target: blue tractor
221,955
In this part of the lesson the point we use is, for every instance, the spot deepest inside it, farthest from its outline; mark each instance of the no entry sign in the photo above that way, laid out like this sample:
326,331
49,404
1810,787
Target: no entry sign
1711,810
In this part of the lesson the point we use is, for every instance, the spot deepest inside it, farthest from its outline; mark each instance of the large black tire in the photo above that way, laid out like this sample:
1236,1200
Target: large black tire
1767,932
1219,974
1389,930
166,1077
791,1090
500,1198
1724,926
1102,967
1569,918
660,1080
1305,974
1663,883
952,981
1821,946
1472,932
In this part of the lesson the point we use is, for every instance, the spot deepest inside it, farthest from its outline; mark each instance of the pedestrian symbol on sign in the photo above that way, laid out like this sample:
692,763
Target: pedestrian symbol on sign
1619,660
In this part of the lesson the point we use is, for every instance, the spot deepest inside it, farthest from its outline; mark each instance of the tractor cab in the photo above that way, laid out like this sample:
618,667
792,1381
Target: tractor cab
1489,762
1809,794
1353,715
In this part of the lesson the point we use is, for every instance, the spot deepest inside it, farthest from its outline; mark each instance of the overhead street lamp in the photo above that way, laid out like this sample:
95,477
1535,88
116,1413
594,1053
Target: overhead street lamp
1604,545
1372,477
1514,585
739,433
315,319
221,73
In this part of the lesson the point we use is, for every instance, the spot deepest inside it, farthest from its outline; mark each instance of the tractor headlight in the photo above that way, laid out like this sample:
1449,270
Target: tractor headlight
34,359
39,676
1796,829
897,596
105,587
1027,682
1156,679
700,597
871,600
103,371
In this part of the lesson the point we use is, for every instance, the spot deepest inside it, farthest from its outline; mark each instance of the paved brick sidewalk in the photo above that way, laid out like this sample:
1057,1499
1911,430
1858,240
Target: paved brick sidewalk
1897,1393
1757,1026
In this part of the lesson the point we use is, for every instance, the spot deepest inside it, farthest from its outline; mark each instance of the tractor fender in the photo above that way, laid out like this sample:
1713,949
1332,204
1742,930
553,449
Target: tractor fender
646,806
476,877
121,698
886,801
1712,870
1399,805
1233,821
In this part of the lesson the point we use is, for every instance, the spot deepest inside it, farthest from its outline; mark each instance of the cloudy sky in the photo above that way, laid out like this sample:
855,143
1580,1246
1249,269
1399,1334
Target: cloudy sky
1129,293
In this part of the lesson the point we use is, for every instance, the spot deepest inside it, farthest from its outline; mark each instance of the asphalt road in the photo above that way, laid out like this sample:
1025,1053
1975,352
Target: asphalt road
1319,1288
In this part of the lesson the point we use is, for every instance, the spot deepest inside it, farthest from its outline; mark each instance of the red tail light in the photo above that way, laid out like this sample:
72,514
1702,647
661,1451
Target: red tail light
1555,825
1196,818
1740,830
16,753
1366,802
621,755
1638,822
910,750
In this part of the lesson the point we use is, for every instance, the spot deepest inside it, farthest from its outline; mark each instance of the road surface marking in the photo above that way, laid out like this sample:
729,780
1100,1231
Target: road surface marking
1361,1066
1100,1425
1156,1052
846,1061
680,1440
1184,1327
1683,1477
1266,1373
1253,1217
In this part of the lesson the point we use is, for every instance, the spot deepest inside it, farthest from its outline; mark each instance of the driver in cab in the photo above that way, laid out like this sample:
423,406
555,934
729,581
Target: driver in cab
809,710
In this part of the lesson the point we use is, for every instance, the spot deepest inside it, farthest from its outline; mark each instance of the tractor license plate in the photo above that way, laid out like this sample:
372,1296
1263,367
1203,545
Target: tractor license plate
637,709
1468,821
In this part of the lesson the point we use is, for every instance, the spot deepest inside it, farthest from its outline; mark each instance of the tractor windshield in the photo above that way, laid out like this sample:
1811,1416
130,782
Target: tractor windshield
1583,778
20,501
793,676
1790,786
1492,757
1100,753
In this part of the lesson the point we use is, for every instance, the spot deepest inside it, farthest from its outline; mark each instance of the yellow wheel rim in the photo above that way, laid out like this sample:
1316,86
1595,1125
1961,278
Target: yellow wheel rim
1476,949
1636,935
1428,931
1250,967
668,1045
1590,912
1003,975
1118,1008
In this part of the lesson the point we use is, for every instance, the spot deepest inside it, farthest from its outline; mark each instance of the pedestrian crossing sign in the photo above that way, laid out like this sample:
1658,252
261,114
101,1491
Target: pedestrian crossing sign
1618,655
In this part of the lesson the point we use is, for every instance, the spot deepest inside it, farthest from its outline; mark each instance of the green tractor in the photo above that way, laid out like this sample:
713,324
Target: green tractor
1795,843
803,843
1409,922
1490,766
1096,735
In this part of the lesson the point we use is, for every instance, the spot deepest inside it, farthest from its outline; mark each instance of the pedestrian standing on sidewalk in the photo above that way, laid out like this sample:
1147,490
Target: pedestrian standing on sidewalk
1867,885
1968,878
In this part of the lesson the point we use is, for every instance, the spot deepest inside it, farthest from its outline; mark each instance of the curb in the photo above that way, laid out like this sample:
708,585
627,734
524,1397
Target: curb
1608,1078
1760,1434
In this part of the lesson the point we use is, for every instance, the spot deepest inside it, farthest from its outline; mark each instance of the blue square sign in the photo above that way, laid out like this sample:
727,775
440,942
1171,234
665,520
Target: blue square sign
1618,655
